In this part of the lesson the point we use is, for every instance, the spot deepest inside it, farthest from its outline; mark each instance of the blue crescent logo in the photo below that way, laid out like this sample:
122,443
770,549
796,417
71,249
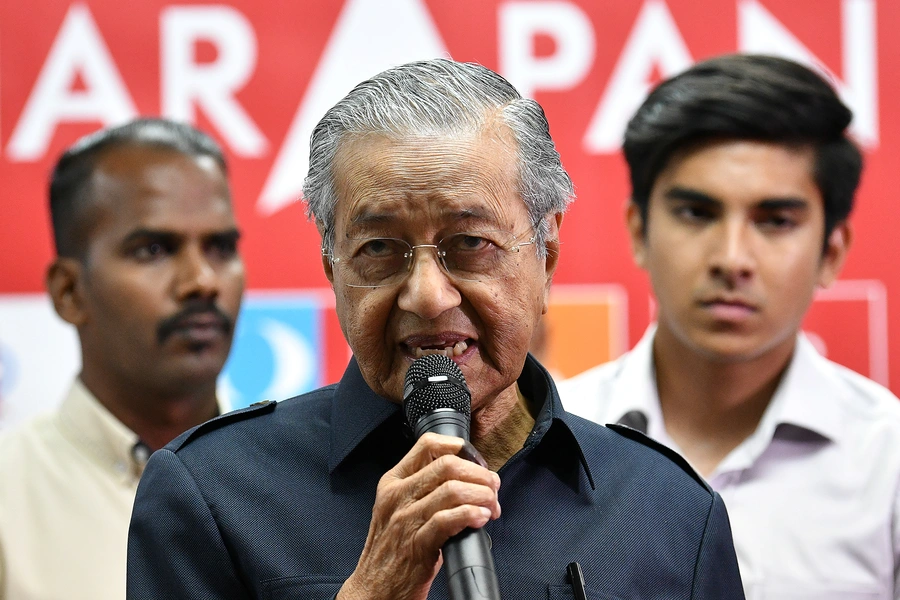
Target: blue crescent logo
276,351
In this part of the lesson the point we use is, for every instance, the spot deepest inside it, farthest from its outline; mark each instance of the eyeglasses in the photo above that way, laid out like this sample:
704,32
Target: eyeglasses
467,256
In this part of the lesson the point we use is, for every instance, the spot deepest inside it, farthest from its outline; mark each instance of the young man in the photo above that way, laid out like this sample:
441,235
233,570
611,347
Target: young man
743,179
148,272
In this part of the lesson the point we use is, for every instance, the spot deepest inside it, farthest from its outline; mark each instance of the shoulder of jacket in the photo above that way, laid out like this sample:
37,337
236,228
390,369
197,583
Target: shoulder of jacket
254,410
641,438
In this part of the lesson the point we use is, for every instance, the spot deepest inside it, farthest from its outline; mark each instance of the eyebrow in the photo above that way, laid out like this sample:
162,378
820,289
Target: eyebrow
681,193
370,218
678,193
169,236
226,234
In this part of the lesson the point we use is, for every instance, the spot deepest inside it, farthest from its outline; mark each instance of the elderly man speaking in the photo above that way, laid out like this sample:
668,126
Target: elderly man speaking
439,195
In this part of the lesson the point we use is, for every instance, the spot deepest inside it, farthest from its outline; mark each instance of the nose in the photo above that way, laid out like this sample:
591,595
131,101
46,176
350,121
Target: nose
428,290
732,258
196,277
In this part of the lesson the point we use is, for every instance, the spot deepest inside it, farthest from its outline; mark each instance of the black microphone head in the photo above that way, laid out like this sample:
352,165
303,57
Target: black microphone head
433,382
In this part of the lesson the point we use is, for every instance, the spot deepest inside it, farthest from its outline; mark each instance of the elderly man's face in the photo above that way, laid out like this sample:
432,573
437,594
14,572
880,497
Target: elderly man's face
422,190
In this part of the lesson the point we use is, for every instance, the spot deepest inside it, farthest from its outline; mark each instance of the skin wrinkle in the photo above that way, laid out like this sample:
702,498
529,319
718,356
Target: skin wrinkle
464,174
377,180
420,189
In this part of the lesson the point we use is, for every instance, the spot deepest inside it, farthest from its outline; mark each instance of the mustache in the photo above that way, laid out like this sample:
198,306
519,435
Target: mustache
181,320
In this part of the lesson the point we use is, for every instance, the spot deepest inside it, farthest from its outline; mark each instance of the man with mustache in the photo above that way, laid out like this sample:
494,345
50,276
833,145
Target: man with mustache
147,270
743,179
438,193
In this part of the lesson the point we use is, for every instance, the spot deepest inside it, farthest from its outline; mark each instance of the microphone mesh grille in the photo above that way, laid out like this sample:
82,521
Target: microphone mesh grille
421,397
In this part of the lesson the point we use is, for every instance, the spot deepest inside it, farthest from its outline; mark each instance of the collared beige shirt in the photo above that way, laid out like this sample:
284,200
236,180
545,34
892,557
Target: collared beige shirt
67,485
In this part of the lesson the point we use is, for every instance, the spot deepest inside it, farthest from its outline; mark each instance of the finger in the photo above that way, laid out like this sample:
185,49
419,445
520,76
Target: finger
447,468
444,524
427,448
454,493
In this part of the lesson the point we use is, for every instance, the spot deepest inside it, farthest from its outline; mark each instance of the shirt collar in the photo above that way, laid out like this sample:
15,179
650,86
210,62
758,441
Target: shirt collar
357,412
802,399
553,434
804,395
105,439
636,390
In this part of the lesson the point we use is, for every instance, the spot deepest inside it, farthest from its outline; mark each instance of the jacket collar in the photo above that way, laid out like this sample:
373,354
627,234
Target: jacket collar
357,412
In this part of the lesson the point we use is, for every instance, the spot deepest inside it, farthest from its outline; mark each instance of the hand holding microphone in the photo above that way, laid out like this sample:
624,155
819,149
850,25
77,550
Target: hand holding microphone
438,490
436,399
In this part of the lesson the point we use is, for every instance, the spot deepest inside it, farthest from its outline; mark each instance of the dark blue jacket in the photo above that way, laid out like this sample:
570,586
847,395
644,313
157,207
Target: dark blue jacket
274,502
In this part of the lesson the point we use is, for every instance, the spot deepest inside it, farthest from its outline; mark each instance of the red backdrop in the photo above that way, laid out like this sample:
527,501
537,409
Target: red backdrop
256,74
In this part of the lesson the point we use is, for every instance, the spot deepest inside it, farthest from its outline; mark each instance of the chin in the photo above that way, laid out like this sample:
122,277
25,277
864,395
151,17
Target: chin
736,349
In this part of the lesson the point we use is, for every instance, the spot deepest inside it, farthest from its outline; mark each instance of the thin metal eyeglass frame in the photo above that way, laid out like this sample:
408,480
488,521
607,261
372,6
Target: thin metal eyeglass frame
440,255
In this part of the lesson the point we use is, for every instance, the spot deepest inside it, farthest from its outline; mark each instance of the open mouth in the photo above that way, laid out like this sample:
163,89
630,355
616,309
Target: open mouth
450,351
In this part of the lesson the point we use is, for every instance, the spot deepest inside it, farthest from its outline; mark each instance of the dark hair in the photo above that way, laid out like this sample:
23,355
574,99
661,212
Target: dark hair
70,189
755,97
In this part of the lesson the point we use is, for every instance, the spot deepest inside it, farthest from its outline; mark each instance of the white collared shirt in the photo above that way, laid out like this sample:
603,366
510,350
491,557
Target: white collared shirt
812,494
67,485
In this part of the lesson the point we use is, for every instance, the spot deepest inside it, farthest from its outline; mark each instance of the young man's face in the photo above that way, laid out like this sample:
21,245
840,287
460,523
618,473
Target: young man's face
733,245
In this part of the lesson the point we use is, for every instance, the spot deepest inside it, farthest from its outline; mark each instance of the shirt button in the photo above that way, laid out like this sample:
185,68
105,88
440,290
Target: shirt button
141,453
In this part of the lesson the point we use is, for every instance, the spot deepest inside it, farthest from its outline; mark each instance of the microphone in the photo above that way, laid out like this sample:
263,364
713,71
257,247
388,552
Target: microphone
436,399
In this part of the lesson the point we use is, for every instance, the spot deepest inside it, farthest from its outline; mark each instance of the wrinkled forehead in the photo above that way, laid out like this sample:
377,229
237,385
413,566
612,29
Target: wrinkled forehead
467,176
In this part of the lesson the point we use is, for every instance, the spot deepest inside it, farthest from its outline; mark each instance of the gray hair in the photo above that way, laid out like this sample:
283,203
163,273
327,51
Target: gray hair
436,97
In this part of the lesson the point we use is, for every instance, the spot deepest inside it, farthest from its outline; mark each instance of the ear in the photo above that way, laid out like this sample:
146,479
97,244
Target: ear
64,284
637,232
329,269
326,262
552,260
835,253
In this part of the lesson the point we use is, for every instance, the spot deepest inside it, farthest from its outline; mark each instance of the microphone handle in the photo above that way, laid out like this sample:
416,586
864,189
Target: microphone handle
468,562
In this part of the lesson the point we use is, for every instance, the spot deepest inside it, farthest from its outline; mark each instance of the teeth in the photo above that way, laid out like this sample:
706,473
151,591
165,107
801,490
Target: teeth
450,351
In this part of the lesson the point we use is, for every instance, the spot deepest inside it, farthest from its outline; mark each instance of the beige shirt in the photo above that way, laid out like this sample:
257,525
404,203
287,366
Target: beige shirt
67,485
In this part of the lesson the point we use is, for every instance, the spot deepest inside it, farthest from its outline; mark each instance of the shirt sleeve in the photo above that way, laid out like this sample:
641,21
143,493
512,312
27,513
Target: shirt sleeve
175,549
717,575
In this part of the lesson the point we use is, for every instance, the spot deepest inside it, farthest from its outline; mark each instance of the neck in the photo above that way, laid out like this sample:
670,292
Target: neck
500,429
709,406
156,416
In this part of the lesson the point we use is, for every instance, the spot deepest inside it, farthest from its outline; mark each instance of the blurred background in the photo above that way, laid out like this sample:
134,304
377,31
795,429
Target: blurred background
257,75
